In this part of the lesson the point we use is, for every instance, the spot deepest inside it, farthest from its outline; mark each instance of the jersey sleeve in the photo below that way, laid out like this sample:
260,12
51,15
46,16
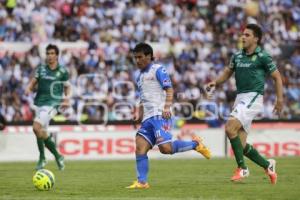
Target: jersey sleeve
163,78
268,64
232,63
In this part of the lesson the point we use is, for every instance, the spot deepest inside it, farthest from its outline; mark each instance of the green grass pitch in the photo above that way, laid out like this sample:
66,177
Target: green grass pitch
169,179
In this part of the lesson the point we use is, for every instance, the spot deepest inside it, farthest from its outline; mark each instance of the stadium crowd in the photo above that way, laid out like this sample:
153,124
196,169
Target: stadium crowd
209,30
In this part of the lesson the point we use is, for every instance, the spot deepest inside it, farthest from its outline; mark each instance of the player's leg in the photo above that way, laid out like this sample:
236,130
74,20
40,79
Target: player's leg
163,138
41,146
142,163
246,107
165,144
251,153
232,127
40,137
40,126
178,146
144,141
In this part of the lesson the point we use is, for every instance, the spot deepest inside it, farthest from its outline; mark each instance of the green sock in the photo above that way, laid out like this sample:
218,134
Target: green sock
52,147
237,148
40,143
253,155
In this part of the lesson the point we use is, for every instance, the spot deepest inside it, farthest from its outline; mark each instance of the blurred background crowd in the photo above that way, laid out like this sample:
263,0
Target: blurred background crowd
209,32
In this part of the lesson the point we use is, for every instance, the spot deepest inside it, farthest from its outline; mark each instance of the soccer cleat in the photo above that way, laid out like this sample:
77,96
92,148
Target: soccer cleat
60,163
138,185
271,171
201,148
41,164
239,174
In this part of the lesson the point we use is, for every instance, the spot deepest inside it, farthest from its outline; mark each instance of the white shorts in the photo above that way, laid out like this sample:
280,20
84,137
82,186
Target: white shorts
246,107
44,114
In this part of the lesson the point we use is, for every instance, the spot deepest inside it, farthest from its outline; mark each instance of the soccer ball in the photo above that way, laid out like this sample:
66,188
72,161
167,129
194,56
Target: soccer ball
43,179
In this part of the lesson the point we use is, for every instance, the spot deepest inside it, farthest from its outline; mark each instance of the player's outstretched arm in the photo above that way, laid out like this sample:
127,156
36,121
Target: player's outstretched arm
279,91
223,78
210,87
30,86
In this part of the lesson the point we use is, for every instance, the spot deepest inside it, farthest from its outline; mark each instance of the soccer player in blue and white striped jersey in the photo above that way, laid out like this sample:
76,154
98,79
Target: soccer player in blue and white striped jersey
156,96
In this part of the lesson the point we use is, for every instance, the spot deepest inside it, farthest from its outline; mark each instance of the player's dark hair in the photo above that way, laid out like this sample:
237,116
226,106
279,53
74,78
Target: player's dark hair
54,47
256,31
145,48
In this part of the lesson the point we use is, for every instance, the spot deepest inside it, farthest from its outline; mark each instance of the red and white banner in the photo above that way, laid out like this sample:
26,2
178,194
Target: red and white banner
98,143
284,142
121,145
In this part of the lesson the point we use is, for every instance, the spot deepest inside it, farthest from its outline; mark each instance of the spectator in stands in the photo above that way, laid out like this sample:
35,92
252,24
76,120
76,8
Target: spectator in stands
194,49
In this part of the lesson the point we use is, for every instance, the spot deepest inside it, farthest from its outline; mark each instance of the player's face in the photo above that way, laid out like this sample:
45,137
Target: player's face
142,60
51,56
248,38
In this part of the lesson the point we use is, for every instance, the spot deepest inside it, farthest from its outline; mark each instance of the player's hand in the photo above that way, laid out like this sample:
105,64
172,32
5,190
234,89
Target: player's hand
210,86
27,92
167,114
136,116
278,107
65,105
209,89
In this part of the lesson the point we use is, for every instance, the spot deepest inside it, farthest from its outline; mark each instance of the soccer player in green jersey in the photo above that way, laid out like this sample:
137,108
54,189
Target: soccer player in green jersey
52,82
251,65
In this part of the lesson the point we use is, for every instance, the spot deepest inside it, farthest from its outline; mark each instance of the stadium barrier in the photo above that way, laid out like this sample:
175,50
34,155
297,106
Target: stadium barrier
93,142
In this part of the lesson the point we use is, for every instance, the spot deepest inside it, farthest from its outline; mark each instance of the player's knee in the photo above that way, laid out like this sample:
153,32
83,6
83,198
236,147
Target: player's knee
244,143
230,130
140,150
165,149
37,129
